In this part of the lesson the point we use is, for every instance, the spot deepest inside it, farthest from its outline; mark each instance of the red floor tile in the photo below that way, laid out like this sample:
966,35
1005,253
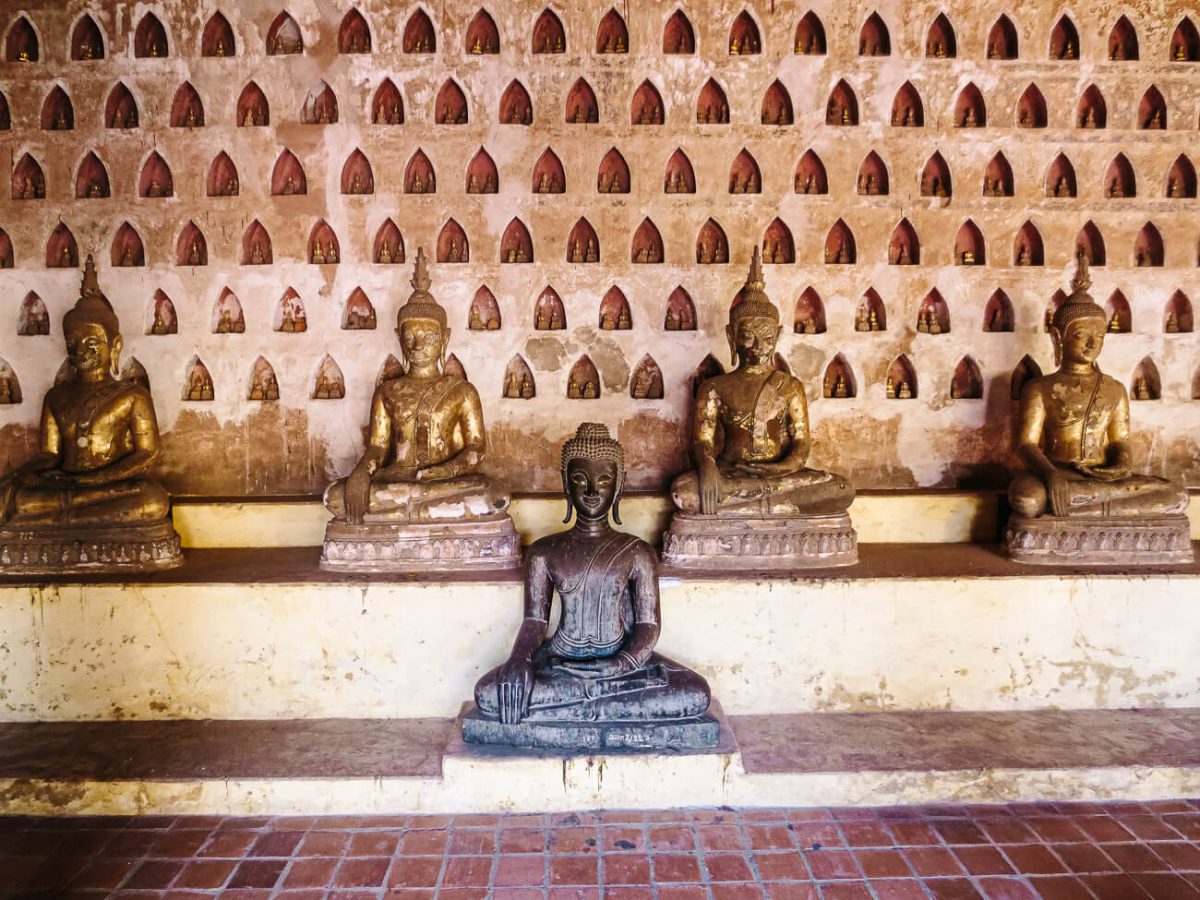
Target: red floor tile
521,871
678,867
626,868
316,872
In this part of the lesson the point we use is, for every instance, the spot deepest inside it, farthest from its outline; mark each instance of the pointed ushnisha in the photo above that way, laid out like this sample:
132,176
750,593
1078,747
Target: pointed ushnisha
752,301
420,304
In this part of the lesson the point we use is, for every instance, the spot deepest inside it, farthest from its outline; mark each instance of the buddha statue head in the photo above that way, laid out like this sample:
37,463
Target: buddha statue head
593,473
421,323
753,328
1078,326
92,331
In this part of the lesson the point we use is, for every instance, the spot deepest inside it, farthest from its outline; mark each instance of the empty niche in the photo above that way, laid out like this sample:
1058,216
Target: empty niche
1057,299
357,177
778,245
613,174
582,244
777,105
223,178
998,313
842,107
387,106
482,35
1060,178
968,246
647,106
127,247
940,42
998,178
712,107
612,36
61,250
904,247
451,106
969,109
1002,39
809,313
320,106
647,246
264,385
418,34
871,314
872,176
388,247
1027,247
1177,317
482,177
901,381
86,40
711,244
1181,179
1146,383
1031,108
91,178
873,38
1119,180
907,109
187,111
516,246
290,315
708,368
323,247
678,34
967,381
452,245
391,369
1185,42
935,177
484,314
548,312
33,318
354,34
548,34
1152,110
518,380
57,112
121,109
284,36
256,245
150,39
10,387
744,174
359,314
419,177
252,107
328,384
454,367
1120,315
582,107
197,382
810,35
1122,41
548,175
933,316
646,383
21,45
217,39
839,245
28,182
681,311
515,106
1148,247
743,35
162,315
584,381
156,179
1092,111
227,315
839,382
810,175
1090,243
679,177
6,251
1064,39
614,311
5,115
1022,373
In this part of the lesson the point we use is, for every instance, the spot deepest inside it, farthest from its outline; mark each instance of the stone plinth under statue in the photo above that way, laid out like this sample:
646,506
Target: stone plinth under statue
596,682
751,503
415,502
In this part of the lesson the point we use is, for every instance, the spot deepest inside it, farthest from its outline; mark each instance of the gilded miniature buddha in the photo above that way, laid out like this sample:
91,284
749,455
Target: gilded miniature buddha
595,682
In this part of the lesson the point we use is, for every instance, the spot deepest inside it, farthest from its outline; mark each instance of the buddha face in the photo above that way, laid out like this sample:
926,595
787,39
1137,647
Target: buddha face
422,341
91,351
753,340
592,486
1083,340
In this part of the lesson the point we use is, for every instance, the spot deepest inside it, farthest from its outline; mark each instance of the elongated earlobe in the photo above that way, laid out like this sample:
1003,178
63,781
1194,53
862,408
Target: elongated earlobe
616,510
570,510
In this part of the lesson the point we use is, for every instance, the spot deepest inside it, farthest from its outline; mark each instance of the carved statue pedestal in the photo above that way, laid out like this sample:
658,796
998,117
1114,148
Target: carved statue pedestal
58,550
698,733
1079,541
417,547
766,544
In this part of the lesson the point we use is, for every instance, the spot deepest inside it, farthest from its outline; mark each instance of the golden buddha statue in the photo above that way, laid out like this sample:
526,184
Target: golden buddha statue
1080,501
84,502
750,443
415,501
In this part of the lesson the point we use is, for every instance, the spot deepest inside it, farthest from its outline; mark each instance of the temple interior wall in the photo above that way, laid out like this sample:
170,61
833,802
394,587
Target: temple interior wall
233,446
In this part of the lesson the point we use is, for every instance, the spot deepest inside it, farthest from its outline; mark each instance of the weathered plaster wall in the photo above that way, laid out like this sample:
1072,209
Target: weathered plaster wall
233,446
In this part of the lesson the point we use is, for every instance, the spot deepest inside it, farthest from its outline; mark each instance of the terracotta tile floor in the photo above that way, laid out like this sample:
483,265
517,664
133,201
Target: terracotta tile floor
1122,851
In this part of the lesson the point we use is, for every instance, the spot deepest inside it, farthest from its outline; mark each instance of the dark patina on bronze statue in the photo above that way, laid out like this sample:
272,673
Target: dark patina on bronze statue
596,682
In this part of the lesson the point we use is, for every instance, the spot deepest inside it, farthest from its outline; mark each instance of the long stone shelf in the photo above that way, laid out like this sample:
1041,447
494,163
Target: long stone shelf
421,765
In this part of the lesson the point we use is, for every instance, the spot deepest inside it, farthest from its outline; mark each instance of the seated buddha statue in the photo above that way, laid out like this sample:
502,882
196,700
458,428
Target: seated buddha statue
86,500
595,682
418,478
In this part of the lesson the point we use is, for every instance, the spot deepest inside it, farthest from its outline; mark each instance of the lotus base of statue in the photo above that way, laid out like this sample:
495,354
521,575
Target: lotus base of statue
759,544
1099,541
420,547
68,550
699,733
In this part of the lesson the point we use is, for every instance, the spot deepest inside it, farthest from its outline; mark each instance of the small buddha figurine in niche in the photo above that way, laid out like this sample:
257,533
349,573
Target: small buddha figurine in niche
1079,502
416,501
751,501
85,502
595,683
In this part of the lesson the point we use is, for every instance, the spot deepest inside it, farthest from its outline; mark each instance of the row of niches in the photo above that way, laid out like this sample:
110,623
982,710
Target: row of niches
969,109
548,35
323,247
156,179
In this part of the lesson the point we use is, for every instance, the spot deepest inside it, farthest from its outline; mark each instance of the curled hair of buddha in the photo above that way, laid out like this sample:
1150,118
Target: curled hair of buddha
420,304
92,307
592,441
1080,304
751,301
